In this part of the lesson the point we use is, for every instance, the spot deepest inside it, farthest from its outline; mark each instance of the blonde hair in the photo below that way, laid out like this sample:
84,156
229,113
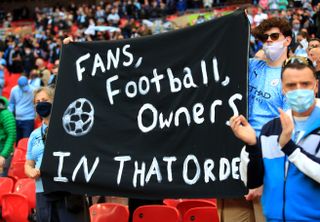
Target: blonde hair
47,89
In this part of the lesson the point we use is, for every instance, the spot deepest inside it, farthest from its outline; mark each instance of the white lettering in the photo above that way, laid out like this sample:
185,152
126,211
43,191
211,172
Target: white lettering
165,122
197,111
188,79
204,72
154,170
235,168
134,89
147,85
140,172
169,161
154,117
80,70
61,156
111,93
208,167
179,112
122,159
224,170
113,59
83,161
156,80
233,106
175,83
217,102
98,63
215,70
128,54
185,170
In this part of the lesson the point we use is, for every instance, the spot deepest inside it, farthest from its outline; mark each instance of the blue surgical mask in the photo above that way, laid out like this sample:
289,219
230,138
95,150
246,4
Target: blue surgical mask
300,100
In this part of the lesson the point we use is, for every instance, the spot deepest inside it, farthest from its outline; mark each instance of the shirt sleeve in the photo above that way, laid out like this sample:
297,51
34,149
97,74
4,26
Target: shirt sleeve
251,166
29,155
304,161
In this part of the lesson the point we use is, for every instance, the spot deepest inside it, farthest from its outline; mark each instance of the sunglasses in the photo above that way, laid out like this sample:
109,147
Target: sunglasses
273,36
297,60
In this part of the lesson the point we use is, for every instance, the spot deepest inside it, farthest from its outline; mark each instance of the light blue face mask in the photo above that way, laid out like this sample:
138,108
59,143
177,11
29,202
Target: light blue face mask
300,100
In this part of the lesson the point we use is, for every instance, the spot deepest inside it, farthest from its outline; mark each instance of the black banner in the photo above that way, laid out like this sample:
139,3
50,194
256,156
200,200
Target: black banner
148,117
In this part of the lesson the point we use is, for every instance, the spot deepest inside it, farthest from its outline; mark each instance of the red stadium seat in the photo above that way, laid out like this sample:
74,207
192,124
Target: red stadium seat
111,212
37,122
13,79
23,144
27,187
171,202
201,214
19,155
6,186
174,202
10,81
187,204
15,208
16,170
156,213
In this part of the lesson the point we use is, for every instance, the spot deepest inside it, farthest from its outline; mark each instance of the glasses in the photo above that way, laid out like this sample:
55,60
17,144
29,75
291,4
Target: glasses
273,36
297,60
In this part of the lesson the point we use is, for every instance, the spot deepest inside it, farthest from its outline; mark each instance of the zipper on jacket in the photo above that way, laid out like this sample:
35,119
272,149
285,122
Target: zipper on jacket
286,170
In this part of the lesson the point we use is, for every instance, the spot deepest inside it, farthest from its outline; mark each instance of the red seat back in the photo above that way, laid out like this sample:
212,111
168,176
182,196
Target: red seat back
16,170
186,205
174,202
19,155
6,186
156,213
23,144
111,212
171,202
27,187
10,80
15,208
201,214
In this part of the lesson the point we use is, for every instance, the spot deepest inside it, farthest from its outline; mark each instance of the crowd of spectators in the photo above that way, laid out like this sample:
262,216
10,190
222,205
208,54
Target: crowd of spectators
304,17
127,19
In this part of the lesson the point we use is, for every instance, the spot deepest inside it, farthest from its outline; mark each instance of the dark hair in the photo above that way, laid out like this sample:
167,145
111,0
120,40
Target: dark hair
275,22
298,62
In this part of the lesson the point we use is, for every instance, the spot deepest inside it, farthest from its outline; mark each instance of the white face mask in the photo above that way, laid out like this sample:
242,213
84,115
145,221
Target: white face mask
274,50
314,63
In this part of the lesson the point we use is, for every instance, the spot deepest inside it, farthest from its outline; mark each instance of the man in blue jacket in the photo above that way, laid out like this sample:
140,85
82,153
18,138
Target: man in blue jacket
21,105
264,99
285,158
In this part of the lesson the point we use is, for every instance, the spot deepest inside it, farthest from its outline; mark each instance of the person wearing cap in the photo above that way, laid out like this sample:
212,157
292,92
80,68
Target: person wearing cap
285,157
21,105
264,99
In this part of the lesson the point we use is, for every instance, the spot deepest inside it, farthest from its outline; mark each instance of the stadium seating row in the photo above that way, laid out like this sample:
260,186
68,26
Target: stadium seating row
17,200
182,210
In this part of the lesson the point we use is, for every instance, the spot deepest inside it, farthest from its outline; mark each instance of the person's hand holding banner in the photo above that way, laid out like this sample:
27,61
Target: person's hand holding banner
243,130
